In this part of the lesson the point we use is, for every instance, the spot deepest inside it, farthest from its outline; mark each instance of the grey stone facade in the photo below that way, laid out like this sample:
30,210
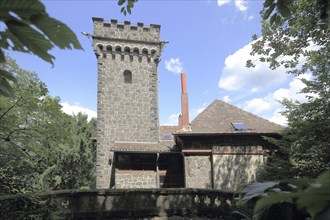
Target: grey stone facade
127,110
136,180
231,170
198,171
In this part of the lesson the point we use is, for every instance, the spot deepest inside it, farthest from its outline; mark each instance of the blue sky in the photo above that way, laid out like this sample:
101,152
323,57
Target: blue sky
209,40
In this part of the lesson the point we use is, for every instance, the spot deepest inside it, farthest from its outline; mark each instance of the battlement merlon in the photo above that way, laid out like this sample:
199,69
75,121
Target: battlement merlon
126,31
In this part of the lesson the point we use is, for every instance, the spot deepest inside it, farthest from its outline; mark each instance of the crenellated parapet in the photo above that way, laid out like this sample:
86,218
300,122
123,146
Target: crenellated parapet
126,30
126,41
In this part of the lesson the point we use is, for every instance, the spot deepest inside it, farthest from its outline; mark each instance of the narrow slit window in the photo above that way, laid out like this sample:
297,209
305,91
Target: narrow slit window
127,76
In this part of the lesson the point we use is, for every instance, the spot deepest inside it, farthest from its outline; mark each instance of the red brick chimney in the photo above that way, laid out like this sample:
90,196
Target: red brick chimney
184,119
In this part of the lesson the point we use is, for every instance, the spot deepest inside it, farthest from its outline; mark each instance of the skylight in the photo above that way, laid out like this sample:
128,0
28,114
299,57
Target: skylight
167,137
239,126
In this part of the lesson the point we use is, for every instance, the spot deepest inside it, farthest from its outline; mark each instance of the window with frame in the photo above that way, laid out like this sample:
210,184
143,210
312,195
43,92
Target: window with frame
128,76
136,161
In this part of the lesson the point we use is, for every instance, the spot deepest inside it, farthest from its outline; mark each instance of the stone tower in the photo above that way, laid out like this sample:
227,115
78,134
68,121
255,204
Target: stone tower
127,106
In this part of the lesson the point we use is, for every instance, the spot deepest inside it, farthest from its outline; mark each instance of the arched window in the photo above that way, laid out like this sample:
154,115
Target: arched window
145,52
109,49
136,51
118,49
127,76
127,50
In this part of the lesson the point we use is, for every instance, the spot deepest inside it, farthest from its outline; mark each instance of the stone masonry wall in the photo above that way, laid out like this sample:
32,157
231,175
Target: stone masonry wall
126,30
198,172
231,170
126,111
136,180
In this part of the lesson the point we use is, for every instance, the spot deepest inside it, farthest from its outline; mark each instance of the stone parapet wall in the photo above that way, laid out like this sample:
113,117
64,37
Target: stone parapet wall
198,171
121,204
136,179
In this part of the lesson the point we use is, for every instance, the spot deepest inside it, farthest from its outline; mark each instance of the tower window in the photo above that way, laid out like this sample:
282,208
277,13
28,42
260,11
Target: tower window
127,50
127,76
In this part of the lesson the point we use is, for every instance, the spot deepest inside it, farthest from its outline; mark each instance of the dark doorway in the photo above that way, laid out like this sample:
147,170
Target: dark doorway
170,168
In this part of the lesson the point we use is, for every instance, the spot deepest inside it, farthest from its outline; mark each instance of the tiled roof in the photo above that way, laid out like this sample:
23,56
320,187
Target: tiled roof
164,146
167,129
219,116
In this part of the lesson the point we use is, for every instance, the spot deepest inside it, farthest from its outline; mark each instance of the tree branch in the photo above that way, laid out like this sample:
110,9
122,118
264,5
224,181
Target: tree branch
10,108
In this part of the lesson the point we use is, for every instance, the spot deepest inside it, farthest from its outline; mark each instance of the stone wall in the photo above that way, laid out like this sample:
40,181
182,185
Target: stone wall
232,169
126,112
198,171
126,30
136,179
121,204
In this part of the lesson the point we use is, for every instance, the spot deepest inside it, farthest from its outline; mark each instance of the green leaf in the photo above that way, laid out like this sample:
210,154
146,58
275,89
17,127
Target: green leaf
2,57
267,3
32,39
21,8
284,11
5,87
278,20
128,9
121,2
256,189
316,198
272,19
130,4
18,45
7,75
56,31
273,198
268,12
58,180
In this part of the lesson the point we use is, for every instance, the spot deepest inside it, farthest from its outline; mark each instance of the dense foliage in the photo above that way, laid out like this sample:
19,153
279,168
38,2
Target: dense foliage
295,35
29,29
290,199
42,148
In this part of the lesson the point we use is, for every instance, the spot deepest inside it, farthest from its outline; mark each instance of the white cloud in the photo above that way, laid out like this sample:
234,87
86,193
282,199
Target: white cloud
174,65
269,106
293,91
235,76
76,108
172,119
241,5
278,118
258,105
250,18
223,2
226,98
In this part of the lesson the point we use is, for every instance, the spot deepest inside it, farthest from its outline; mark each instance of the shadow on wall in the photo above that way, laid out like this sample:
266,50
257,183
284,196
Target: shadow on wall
232,170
